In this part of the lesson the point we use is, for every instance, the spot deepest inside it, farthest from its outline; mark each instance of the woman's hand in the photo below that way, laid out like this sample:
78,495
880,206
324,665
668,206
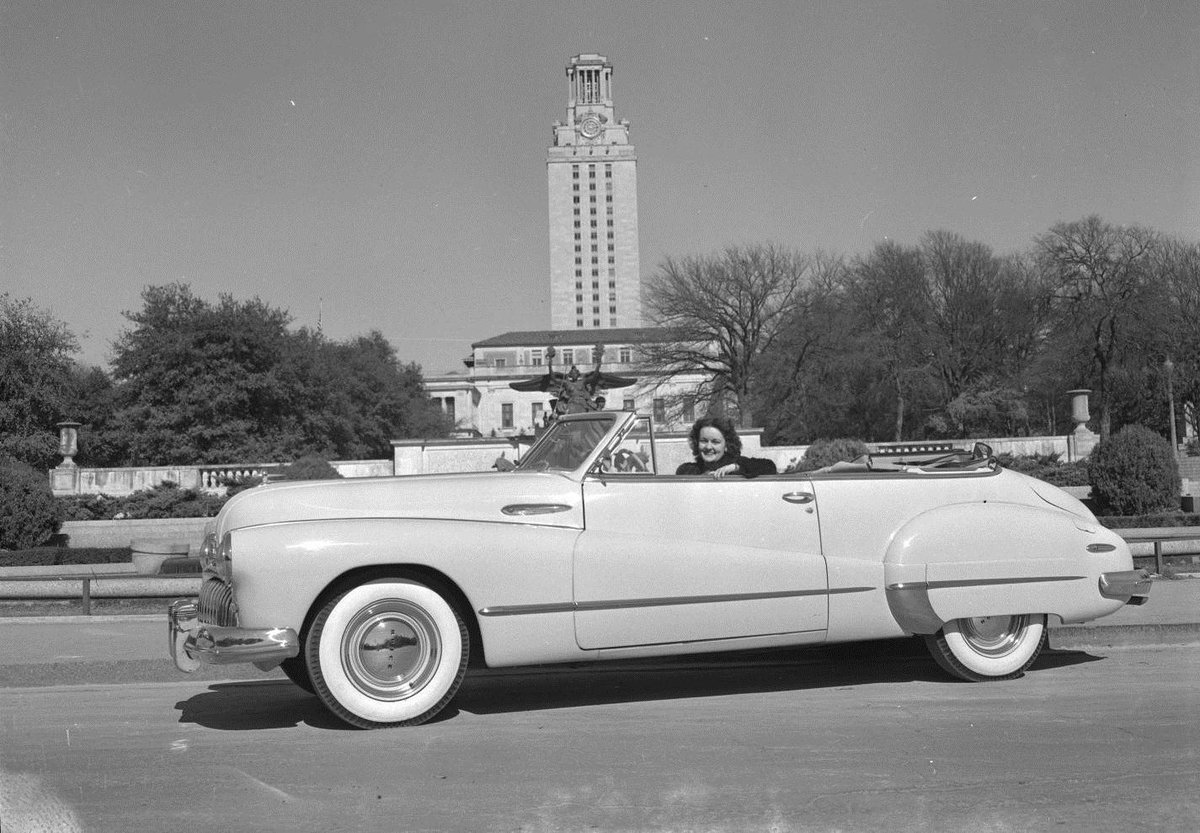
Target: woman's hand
731,468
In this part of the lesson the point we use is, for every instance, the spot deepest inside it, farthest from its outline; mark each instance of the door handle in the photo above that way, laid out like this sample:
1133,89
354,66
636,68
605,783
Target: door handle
799,497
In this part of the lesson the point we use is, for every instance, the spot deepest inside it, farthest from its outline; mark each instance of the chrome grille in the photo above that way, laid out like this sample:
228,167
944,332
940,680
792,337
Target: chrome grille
216,604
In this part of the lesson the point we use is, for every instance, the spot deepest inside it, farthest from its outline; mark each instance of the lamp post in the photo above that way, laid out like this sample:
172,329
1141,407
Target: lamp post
1169,367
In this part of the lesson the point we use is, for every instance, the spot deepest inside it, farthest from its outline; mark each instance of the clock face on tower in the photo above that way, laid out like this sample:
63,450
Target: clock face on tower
590,126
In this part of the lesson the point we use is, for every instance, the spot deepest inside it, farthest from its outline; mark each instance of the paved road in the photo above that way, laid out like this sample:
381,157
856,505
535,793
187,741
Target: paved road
862,738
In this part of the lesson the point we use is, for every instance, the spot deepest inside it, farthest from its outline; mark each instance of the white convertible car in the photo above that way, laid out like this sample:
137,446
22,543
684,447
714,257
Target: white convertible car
375,593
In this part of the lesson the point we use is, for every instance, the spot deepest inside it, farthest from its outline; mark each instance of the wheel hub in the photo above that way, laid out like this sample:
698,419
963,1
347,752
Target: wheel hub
994,635
391,649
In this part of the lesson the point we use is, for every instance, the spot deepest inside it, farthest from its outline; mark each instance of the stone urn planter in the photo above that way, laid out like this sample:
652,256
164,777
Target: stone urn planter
148,556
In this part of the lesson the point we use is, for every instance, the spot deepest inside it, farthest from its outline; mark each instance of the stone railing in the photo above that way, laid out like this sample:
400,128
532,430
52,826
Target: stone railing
208,478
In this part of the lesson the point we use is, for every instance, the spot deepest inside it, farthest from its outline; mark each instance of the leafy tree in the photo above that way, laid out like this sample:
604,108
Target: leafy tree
198,382
36,365
725,311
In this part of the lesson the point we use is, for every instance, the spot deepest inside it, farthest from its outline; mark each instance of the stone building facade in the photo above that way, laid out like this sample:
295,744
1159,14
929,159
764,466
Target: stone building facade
591,171
481,402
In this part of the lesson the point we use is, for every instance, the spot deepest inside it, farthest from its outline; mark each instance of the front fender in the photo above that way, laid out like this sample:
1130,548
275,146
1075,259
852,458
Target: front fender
994,559
280,570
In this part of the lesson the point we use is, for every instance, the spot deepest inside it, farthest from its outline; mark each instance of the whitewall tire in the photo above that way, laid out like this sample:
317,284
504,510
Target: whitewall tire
390,652
989,647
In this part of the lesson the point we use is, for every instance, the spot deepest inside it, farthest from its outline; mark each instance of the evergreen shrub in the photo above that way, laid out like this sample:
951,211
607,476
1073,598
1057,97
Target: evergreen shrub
309,468
1133,472
824,453
29,515
1047,467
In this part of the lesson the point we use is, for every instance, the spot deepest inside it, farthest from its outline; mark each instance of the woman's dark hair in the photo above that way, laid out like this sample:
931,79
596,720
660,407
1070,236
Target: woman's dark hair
733,443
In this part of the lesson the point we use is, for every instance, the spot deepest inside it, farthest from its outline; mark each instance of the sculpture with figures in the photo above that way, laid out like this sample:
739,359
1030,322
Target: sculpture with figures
574,392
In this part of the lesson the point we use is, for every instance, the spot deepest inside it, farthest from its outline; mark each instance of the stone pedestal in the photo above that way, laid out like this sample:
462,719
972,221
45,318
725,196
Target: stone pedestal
64,479
1081,441
148,556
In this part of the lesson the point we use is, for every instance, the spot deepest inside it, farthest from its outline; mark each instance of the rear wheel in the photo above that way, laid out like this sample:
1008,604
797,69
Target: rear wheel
391,652
989,647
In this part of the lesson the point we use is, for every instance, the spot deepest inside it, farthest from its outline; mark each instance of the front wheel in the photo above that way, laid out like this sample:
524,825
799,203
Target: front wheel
989,647
391,652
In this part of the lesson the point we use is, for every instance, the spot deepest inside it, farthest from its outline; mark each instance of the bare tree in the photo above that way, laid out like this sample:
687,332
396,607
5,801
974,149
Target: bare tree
724,311
888,291
1105,291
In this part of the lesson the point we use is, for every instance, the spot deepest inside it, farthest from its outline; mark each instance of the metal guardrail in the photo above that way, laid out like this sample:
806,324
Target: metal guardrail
50,584
1158,535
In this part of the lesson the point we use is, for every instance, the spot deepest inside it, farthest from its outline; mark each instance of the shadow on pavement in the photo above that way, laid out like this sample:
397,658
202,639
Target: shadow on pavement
274,704
248,706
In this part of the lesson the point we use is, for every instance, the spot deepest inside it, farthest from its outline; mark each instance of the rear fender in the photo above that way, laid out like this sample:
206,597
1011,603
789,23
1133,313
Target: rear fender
995,559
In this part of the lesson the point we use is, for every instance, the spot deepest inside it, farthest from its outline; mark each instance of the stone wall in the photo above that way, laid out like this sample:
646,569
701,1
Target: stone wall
115,534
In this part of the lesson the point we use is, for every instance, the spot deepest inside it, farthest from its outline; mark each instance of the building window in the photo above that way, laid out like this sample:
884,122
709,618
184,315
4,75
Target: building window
660,411
628,406
689,408
574,172
579,321
506,415
535,357
535,414
612,322
568,353
448,407
596,321
501,362
597,354
608,171
626,355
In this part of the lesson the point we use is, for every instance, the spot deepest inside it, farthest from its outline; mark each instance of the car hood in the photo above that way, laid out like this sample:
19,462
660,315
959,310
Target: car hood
479,496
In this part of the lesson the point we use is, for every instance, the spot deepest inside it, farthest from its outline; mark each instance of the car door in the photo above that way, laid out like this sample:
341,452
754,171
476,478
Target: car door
683,559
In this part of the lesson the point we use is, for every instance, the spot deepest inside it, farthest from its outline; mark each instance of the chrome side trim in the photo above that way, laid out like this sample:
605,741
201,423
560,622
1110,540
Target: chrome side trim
911,608
987,582
1100,547
665,601
192,643
1126,584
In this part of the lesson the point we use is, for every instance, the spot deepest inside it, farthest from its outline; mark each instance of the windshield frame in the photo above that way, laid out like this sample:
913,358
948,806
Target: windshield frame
569,428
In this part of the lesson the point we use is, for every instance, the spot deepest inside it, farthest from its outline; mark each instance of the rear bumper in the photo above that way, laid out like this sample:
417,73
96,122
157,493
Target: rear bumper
1132,586
192,644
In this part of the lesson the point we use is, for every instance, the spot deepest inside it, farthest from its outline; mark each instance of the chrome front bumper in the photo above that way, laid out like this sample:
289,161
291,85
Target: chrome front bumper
192,644
1131,585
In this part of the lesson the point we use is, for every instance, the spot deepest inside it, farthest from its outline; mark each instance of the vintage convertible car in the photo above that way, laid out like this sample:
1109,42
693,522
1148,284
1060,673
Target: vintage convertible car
375,593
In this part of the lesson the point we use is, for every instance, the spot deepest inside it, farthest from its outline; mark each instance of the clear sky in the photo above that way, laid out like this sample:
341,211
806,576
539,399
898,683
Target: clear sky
381,165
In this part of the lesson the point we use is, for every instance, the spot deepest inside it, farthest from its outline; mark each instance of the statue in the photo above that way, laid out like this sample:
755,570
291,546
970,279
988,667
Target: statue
574,392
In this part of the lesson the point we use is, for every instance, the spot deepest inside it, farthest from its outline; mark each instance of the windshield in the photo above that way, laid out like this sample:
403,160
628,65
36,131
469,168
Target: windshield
567,444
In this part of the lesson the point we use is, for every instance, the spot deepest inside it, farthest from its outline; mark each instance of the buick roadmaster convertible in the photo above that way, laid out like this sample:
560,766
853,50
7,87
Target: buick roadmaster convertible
374,594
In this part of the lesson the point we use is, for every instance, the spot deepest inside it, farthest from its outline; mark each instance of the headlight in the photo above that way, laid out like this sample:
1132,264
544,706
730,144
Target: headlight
217,558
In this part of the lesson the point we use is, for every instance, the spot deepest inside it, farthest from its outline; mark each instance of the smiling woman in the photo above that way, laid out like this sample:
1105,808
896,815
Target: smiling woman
718,451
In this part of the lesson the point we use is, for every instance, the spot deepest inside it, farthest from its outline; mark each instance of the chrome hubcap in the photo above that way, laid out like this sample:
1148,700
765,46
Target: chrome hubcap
391,649
993,636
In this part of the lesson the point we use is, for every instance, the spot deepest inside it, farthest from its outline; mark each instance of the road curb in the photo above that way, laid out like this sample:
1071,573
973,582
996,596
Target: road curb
1107,636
